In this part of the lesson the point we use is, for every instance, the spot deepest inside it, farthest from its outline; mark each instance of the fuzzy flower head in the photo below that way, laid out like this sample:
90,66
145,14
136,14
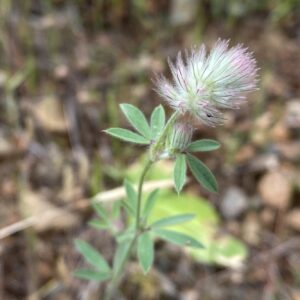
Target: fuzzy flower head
204,82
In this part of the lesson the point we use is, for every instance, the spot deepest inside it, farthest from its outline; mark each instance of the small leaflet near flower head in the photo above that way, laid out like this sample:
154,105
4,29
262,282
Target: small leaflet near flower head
205,82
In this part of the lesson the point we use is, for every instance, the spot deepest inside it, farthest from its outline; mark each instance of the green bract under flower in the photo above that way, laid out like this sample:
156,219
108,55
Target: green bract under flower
181,137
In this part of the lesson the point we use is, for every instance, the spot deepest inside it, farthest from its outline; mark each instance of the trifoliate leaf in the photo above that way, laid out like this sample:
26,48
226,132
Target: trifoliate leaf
91,275
202,173
145,251
92,256
127,135
179,172
173,220
203,145
150,203
177,238
157,121
136,119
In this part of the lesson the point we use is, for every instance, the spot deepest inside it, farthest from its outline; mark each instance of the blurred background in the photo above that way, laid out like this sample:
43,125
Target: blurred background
64,68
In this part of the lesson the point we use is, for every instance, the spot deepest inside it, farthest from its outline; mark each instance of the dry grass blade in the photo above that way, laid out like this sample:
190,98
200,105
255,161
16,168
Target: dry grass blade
107,196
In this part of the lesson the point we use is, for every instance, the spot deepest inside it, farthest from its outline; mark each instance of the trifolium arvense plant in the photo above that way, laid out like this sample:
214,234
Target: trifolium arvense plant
203,85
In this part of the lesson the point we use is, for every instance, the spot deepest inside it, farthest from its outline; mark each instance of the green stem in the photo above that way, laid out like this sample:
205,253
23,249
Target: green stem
154,156
116,277
113,285
139,197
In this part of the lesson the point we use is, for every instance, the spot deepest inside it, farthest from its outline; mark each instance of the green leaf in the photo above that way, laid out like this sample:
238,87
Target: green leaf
158,120
127,135
131,194
121,253
116,210
98,224
136,119
101,212
92,256
177,238
125,236
91,275
145,251
205,226
203,145
150,203
173,220
129,209
179,172
202,173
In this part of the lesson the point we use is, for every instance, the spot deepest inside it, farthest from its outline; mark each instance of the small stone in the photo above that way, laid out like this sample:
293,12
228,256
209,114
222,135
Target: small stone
292,116
13,145
246,153
251,229
296,294
293,219
139,91
280,132
233,227
267,216
46,215
61,71
50,115
259,138
183,12
189,295
234,203
261,129
264,162
289,150
264,121
275,190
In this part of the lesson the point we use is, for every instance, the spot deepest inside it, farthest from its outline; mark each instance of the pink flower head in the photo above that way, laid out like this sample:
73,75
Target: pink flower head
203,83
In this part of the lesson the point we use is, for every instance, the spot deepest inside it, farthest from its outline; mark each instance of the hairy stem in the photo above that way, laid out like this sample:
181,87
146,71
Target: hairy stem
117,276
154,156
139,197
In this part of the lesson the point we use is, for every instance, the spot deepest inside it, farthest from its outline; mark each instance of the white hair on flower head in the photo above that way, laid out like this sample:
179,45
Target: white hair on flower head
203,83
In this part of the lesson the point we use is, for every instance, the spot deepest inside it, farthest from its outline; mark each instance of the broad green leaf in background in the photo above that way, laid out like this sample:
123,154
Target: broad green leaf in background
179,173
173,220
91,275
202,173
158,120
127,135
220,249
145,251
177,238
162,169
203,145
136,119
131,194
150,202
92,256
